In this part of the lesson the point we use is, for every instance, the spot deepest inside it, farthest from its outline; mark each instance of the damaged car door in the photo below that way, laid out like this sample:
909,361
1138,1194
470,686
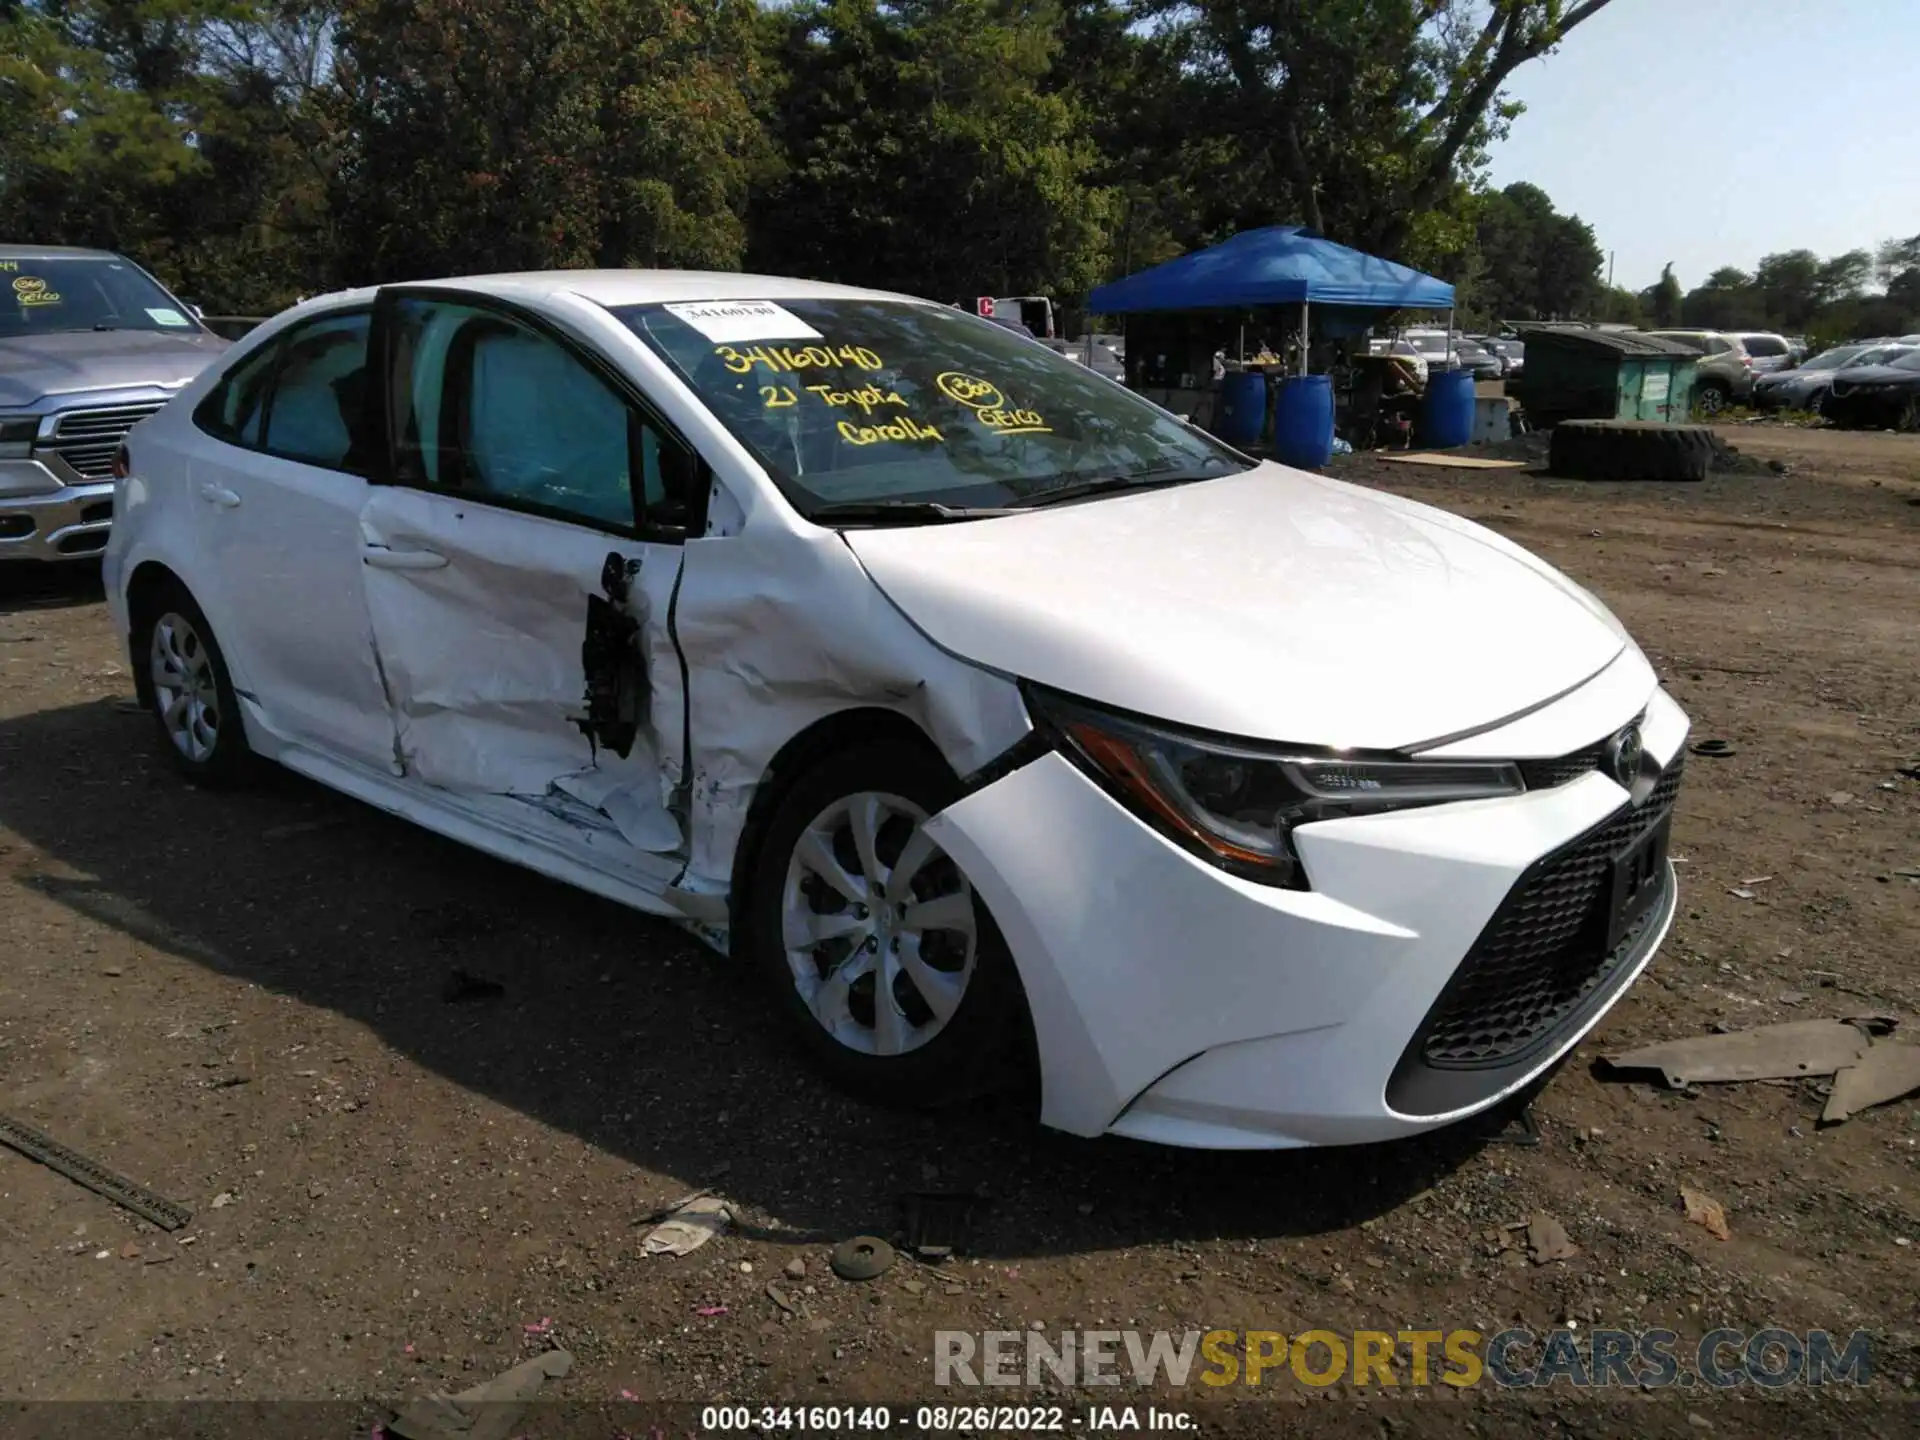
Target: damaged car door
520,570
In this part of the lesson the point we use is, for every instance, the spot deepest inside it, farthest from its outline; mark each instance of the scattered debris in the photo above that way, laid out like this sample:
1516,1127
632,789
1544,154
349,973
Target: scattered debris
694,1221
796,1269
1793,997
1840,797
938,1225
1741,892
779,1297
1706,1212
1756,880
222,1200
1886,1072
707,1312
1717,749
462,986
486,1412
1771,1052
97,1178
864,1257
1547,1240
1519,1128
130,1250
542,1326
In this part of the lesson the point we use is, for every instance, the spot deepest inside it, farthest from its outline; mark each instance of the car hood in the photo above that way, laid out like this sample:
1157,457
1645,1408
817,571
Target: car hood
1273,604
36,367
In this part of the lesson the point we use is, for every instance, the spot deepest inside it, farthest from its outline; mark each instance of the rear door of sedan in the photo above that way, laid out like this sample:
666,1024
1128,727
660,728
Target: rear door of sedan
522,553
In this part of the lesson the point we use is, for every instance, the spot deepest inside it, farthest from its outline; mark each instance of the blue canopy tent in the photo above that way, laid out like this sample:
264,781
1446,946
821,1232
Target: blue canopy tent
1277,265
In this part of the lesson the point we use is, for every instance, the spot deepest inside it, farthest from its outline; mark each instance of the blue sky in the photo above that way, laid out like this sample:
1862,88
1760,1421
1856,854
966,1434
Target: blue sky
1712,132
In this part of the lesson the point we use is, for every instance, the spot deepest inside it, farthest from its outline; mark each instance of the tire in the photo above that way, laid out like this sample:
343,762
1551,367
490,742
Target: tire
192,695
912,1056
1711,397
1631,450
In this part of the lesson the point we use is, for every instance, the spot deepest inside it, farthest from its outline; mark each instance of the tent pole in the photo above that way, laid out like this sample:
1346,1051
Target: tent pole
1306,363
1449,337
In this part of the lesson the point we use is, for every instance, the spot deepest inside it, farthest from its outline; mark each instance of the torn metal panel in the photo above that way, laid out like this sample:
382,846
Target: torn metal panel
765,620
531,659
1771,1052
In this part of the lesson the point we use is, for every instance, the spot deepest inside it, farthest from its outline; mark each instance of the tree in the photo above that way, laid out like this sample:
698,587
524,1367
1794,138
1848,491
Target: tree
1358,117
925,153
1537,263
526,134
1662,300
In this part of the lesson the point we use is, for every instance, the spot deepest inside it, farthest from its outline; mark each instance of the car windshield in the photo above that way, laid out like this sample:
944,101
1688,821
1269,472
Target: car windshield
1877,355
52,293
1833,359
861,402
1910,360
1429,344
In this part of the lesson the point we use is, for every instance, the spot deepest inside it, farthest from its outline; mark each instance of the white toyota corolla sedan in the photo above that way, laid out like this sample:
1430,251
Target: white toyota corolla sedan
994,715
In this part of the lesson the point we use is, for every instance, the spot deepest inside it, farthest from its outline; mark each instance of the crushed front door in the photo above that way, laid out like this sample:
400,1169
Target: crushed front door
519,600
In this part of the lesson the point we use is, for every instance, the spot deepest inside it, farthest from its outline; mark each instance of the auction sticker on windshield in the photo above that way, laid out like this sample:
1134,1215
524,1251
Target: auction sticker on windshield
727,322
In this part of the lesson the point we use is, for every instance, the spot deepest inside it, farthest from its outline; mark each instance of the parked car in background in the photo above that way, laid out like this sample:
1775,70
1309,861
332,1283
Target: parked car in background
1404,350
1797,347
1769,352
1485,365
90,345
1883,396
1724,374
1805,386
1512,353
814,617
1103,354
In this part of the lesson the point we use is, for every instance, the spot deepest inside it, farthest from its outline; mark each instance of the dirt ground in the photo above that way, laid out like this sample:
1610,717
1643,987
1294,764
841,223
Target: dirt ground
238,999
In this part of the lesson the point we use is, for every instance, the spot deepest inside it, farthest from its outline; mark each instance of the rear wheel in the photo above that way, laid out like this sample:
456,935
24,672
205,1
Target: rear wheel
885,963
193,700
1711,398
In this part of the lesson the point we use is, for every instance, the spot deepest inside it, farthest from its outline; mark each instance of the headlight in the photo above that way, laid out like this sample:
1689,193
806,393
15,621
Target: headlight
16,435
1237,804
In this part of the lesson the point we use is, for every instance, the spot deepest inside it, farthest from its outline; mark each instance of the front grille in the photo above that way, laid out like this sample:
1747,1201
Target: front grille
1545,774
1544,950
88,439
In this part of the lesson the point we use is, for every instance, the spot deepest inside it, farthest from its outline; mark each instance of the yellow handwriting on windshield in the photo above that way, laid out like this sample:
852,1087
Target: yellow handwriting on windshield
11,267
901,429
989,406
778,397
788,359
867,397
32,290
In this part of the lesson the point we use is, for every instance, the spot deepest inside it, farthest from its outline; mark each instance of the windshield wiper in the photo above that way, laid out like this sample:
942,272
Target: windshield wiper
904,512
1106,485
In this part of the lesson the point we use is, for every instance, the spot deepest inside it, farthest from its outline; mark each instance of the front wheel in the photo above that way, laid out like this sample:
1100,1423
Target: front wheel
1710,400
887,966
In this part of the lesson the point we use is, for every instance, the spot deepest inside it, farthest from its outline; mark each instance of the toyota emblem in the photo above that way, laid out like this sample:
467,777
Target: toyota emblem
1623,756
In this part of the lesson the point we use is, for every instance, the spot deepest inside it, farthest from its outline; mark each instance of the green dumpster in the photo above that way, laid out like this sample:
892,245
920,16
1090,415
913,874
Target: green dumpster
1575,372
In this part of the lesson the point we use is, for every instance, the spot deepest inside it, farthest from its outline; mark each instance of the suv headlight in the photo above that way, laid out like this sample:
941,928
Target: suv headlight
1237,804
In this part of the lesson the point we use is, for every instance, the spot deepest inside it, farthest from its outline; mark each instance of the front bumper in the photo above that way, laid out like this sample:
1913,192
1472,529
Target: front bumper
1175,1003
65,522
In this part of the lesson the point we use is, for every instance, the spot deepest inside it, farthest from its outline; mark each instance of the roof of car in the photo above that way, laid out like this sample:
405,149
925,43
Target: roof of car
645,287
53,252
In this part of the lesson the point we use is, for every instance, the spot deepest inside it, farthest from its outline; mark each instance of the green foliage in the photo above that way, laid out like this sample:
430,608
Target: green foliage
1662,301
927,153
1535,264
1797,292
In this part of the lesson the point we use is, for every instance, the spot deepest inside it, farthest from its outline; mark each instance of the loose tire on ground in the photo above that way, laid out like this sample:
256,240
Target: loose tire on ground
982,1046
1631,450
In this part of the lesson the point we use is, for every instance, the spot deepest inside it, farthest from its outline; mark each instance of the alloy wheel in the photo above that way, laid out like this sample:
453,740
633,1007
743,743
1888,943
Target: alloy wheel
185,693
878,925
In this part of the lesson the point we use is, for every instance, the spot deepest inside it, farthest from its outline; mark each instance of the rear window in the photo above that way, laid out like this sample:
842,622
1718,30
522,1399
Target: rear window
1764,345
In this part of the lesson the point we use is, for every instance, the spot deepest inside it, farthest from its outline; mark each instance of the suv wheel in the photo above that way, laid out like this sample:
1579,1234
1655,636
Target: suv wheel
1711,398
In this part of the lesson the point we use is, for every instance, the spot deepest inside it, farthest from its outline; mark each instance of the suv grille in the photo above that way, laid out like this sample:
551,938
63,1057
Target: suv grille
88,439
1541,954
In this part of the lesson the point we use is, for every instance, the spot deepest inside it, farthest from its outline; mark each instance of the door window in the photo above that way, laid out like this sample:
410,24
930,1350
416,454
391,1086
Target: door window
486,405
318,409
235,410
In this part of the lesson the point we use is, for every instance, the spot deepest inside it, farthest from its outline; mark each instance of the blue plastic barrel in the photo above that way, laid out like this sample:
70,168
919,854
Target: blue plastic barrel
1449,409
1303,422
1243,408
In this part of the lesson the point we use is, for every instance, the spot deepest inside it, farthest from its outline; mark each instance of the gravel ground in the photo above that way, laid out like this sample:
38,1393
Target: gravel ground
239,1000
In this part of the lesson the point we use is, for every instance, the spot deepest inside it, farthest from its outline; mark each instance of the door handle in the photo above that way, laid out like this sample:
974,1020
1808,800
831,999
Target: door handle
218,495
384,559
